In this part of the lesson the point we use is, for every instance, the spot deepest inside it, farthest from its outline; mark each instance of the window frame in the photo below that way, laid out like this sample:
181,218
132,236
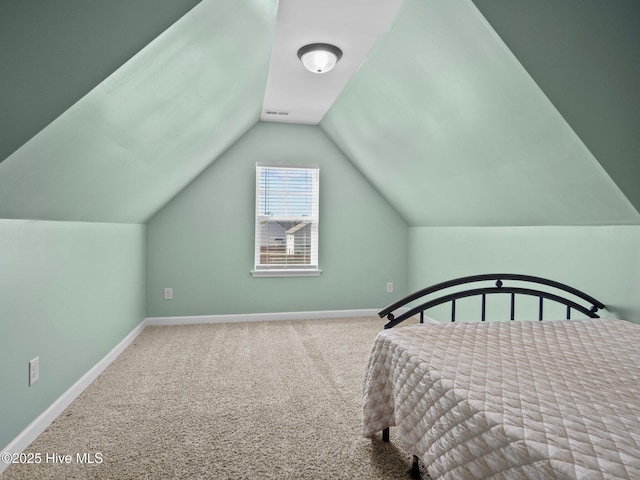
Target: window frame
311,269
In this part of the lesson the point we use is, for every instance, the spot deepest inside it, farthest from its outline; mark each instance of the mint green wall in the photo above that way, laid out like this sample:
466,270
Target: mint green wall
202,242
601,261
585,56
141,135
69,292
77,44
446,123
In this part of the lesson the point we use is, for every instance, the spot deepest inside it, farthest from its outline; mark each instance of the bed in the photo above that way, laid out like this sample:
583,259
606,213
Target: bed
511,399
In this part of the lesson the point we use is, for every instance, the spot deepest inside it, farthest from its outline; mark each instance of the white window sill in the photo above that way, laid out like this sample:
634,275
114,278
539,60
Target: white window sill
286,273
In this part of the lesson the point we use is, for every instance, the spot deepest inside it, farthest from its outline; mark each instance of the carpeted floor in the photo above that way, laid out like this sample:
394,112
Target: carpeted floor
267,400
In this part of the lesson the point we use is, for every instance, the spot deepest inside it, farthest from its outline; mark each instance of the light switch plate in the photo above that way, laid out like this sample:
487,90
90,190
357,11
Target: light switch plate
34,370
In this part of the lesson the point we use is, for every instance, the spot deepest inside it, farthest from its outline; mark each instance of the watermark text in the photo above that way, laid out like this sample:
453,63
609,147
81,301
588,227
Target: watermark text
93,458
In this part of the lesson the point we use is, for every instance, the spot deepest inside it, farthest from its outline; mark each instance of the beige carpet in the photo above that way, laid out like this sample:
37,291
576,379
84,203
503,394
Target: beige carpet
267,400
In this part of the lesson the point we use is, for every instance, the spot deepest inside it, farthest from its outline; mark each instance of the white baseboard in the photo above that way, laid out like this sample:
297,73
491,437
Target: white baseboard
260,317
35,428
29,434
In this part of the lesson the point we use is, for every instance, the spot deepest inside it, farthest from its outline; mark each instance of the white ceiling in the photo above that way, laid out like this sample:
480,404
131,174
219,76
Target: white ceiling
297,95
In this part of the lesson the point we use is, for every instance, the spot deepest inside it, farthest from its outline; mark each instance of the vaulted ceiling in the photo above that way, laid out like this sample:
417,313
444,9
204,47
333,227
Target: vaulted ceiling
487,113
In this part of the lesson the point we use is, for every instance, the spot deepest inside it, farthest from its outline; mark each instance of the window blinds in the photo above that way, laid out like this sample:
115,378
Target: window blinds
286,217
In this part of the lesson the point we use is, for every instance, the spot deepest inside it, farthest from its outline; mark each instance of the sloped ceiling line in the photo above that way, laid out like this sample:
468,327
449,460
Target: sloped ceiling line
161,118
453,107
441,118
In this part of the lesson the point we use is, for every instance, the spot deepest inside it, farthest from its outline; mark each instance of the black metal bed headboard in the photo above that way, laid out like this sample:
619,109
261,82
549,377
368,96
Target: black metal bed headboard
589,305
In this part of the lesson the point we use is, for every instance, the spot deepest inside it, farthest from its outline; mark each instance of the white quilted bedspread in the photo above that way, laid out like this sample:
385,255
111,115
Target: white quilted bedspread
511,400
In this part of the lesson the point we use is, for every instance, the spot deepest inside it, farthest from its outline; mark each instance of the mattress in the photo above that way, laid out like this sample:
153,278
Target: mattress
512,400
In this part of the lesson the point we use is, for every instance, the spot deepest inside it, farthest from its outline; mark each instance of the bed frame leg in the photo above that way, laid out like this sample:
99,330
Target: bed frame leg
415,468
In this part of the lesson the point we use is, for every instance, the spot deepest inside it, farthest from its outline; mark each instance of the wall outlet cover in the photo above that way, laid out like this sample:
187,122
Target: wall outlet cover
34,370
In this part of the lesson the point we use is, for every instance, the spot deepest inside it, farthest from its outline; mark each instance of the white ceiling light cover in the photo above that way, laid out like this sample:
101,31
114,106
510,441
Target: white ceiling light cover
319,57
294,95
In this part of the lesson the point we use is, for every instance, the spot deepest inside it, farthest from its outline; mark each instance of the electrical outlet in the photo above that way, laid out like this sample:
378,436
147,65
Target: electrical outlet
34,370
389,287
168,293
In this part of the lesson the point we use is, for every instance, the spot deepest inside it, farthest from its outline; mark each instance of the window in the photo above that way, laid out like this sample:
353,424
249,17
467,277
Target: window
286,240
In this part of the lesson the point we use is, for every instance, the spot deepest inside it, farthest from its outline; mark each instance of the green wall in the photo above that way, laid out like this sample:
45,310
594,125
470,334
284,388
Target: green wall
585,56
442,115
69,292
53,53
202,243
601,261
141,135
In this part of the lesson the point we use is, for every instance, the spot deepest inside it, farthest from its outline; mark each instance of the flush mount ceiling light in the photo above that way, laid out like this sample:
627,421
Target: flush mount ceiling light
319,57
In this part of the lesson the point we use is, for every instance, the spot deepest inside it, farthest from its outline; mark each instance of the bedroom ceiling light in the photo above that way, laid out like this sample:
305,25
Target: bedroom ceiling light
319,57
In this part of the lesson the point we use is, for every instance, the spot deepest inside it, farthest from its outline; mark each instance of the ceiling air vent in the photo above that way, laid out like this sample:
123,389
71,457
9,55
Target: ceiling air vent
276,112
